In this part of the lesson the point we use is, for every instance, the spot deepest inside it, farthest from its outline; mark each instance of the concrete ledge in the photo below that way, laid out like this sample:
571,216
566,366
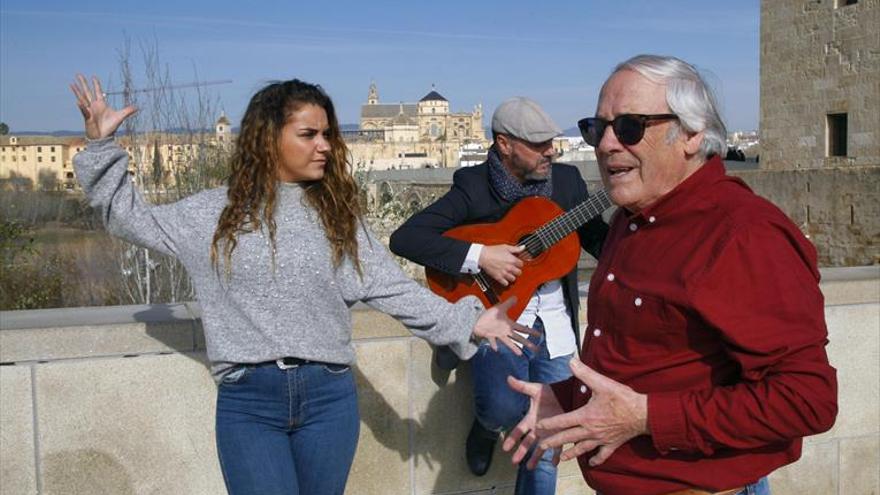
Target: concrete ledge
102,315
851,285
119,400
44,344
66,333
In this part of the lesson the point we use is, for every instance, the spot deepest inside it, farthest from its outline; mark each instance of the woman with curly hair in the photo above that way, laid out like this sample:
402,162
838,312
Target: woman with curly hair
277,259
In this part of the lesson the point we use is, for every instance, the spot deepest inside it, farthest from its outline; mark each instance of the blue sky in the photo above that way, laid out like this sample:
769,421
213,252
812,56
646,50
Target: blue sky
558,53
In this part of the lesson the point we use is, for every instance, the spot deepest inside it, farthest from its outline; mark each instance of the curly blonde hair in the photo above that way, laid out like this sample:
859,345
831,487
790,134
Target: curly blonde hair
253,182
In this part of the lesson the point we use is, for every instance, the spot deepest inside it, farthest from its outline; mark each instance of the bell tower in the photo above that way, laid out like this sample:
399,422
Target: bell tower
373,95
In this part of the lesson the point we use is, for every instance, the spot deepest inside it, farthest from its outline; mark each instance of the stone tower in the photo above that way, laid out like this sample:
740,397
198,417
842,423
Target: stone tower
223,129
373,95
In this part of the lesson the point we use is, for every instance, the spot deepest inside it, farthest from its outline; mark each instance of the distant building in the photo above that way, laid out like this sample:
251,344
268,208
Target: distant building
472,154
38,162
46,162
573,150
427,120
424,134
223,130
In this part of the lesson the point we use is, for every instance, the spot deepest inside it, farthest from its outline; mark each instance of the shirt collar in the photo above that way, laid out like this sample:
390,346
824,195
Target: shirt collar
687,191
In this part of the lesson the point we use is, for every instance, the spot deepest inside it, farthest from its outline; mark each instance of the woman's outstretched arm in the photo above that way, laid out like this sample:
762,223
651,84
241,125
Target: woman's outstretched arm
102,172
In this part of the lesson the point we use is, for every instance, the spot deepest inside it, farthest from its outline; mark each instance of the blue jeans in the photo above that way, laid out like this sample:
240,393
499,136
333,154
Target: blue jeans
760,487
499,408
287,431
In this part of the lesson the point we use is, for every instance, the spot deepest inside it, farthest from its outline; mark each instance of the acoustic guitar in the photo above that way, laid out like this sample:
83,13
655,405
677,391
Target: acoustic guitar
551,249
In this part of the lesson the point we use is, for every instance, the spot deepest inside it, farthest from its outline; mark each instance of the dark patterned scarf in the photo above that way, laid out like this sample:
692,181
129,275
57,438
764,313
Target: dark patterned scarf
508,187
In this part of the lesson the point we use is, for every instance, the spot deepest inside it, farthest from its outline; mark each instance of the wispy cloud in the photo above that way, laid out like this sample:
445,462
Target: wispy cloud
225,24
732,22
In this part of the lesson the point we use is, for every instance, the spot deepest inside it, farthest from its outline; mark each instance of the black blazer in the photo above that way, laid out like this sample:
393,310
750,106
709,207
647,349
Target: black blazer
473,200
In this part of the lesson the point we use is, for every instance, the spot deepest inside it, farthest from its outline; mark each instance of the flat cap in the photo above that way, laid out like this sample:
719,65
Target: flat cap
523,118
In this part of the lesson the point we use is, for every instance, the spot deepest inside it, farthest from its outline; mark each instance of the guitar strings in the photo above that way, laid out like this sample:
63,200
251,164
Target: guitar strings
567,223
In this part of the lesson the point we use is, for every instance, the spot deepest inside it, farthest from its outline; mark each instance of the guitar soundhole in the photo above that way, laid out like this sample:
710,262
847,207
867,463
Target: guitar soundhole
533,245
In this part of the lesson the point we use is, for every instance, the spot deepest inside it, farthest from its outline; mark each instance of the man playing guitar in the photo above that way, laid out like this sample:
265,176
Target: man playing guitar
519,165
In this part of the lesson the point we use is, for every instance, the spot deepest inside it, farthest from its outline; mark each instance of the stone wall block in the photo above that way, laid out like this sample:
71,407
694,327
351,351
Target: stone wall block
854,350
815,473
371,324
381,464
860,465
442,412
17,468
128,426
572,484
838,208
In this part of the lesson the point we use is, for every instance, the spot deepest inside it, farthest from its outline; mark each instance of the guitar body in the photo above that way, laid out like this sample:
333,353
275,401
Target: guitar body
527,216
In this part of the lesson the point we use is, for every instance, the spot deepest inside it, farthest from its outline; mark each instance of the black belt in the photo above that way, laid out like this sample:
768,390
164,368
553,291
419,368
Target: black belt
291,362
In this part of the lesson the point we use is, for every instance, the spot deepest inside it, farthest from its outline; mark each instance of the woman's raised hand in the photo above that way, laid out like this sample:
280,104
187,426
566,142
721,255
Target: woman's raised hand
101,119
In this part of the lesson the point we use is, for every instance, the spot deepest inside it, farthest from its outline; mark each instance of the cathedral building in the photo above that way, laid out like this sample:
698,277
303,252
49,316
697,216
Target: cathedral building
430,119
425,134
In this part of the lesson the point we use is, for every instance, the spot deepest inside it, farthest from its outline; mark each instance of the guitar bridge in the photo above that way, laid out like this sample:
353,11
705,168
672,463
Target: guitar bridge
486,288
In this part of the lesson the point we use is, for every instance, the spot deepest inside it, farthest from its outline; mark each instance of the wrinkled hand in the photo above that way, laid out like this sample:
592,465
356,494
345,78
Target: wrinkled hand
614,415
501,262
542,404
494,325
101,119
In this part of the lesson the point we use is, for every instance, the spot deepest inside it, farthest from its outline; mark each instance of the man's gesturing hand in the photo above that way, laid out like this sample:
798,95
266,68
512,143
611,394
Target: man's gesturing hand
614,415
543,404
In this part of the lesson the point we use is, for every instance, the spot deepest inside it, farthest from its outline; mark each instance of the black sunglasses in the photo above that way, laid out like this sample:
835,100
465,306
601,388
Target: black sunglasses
629,127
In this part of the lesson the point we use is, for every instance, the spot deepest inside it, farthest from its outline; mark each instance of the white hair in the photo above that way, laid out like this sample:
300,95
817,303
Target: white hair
687,95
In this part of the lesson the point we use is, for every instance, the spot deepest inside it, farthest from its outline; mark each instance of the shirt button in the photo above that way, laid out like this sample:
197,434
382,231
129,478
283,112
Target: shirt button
638,301
583,389
633,227
610,277
597,332
652,219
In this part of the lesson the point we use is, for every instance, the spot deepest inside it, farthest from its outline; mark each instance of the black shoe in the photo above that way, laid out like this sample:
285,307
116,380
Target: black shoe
445,358
479,447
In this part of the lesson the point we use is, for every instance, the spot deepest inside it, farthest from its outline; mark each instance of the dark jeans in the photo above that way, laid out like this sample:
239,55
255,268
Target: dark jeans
287,431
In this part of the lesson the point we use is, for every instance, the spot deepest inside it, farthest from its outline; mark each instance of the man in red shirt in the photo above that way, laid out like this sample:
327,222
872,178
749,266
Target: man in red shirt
703,363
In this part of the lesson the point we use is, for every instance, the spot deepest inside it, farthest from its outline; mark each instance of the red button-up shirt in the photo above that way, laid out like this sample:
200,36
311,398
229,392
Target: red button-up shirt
708,302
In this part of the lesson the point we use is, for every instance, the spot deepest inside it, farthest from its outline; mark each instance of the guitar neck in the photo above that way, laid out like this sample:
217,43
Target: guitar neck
556,229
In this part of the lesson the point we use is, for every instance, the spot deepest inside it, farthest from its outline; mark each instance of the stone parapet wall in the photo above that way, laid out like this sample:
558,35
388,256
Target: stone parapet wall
838,208
119,400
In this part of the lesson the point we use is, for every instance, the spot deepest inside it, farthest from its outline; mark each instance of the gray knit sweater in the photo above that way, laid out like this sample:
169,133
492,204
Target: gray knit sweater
302,308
